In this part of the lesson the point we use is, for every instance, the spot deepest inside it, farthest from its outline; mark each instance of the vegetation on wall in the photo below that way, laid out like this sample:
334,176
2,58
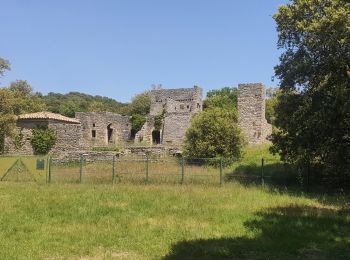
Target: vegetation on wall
43,140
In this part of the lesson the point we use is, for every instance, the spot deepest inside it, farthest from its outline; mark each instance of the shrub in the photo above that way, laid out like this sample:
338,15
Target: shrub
43,140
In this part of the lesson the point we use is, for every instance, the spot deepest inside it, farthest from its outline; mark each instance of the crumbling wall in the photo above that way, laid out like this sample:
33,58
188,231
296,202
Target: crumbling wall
175,127
251,109
95,127
69,137
178,107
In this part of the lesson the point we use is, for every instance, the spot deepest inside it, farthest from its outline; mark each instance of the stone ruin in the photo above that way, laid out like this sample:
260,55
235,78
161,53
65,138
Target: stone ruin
251,113
173,108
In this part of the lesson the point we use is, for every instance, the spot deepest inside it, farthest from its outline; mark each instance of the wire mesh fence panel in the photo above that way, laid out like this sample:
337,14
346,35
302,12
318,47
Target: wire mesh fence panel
165,170
65,172
98,171
23,168
202,170
131,170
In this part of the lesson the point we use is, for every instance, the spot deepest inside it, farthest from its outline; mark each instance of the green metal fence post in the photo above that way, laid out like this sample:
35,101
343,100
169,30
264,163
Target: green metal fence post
113,169
49,169
221,177
146,168
81,169
182,170
262,172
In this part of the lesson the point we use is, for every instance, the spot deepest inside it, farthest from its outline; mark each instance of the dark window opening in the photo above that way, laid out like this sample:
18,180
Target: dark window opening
156,137
93,133
132,134
188,106
93,124
109,133
198,105
182,106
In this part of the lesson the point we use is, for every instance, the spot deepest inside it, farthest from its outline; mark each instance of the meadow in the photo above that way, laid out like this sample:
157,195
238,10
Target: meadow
167,219
129,221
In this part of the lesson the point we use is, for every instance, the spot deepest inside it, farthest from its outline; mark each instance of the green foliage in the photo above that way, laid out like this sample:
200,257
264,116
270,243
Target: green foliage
270,110
4,65
140,105
43,140
214,133
68,104
18,140
137,121
224,98
158,121
313,110
17,99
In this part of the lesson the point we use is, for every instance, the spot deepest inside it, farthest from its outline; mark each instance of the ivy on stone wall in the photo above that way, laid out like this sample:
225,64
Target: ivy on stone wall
43,140
158,121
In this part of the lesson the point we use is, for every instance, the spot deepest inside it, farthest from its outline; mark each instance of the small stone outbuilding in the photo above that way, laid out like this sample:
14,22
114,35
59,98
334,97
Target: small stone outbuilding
68,130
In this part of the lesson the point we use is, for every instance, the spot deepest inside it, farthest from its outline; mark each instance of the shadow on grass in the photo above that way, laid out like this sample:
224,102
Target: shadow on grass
275,174
281,233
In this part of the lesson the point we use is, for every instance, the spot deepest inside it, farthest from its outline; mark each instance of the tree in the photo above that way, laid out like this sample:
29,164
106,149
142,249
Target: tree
224,98
4,65
313,111
140,105
214,133
17,99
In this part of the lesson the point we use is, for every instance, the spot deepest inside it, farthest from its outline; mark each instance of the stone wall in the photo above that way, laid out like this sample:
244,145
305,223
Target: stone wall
178,107
251,109
175,127
69,137
104,128
190,100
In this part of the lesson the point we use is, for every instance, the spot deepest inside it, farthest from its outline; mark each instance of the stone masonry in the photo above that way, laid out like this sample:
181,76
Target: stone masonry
251,109
178,106
68,133
104,128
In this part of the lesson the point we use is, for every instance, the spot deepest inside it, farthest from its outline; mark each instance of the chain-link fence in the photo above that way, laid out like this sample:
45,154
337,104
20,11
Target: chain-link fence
148,169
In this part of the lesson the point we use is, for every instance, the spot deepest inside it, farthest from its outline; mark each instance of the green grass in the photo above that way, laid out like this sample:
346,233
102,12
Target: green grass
125,221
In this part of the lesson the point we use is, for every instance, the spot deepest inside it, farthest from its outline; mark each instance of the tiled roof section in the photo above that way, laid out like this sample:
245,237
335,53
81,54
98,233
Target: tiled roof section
48,116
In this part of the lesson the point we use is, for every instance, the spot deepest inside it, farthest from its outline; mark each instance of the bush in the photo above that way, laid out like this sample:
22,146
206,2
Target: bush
214,133
43,140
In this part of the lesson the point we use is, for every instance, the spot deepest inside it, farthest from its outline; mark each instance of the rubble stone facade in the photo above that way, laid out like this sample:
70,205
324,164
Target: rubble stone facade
69,136
251,109
104,128
177,106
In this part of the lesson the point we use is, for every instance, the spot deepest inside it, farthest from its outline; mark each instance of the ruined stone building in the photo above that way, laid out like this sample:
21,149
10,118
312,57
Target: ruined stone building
170,116
68,133
104,128
175,109
251,110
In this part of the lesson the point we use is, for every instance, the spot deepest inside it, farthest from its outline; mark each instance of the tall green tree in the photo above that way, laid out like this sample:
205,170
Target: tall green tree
313,111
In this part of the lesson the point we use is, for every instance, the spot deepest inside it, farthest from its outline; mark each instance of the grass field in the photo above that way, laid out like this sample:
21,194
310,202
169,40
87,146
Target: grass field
127,221
159,220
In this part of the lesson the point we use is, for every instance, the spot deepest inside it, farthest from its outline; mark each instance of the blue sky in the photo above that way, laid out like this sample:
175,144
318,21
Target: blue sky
120,48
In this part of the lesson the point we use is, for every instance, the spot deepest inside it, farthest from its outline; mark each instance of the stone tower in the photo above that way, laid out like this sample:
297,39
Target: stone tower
251,111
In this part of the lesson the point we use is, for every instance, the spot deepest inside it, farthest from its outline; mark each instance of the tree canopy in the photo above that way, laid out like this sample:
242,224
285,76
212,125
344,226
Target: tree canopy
215,131
313,111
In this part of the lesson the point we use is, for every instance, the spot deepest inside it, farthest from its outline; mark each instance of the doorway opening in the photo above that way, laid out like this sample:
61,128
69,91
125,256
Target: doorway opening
156,137
110,133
